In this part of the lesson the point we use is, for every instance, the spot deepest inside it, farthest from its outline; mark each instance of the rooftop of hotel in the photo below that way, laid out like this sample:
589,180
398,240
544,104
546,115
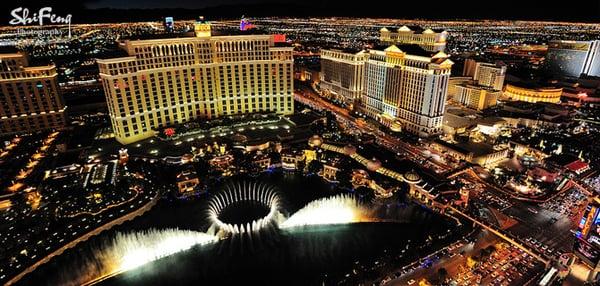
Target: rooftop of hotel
490,121
411,49
346,50
9,50
457,120
413,28
474,86
522,105
533,85
191,36
475,148
497,64
562,159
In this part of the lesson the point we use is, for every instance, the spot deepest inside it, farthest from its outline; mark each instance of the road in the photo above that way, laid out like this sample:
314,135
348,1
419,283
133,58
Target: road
310,98
541,226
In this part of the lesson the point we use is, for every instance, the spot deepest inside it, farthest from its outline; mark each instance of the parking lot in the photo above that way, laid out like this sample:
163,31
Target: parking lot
505,265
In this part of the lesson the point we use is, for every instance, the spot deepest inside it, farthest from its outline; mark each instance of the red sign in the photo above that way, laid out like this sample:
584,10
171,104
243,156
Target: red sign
169,132
279,38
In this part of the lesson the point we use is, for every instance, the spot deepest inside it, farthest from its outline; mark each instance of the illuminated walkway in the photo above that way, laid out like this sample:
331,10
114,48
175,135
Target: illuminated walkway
369,164
137,193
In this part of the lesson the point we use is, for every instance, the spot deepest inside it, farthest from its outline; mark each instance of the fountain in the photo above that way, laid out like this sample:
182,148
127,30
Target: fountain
340,209
126,251
244,192
134,249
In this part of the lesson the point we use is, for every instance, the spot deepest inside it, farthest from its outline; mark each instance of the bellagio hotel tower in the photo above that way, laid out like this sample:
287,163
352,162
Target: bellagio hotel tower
169,81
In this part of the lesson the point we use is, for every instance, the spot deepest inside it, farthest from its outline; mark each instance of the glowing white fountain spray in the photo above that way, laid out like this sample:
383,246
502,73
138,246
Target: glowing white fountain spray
131,250
244,192
127,251
338,209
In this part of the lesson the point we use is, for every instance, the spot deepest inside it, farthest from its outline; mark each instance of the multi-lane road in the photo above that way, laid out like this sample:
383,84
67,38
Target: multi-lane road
309,97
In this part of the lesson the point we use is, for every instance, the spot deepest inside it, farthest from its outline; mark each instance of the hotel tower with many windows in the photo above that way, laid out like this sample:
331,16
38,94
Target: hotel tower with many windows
342,75
170,81
407,86
29,96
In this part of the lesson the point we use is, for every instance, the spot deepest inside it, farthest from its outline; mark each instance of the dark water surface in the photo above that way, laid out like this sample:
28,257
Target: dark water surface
313,255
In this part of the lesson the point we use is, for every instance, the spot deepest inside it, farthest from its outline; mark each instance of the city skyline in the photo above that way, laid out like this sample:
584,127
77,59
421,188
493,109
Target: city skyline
252,144
86,11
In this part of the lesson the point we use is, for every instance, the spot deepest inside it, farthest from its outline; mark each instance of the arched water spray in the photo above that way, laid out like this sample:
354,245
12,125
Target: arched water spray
135,249
126,251
244,191
338,209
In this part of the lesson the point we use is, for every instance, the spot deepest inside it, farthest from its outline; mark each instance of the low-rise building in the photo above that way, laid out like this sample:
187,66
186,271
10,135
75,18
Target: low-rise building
290,160
568,163
459,121
490,126
453,82
329,172
483,154
476,97
187,181
542,175
263,161
101,174
532,93
221,162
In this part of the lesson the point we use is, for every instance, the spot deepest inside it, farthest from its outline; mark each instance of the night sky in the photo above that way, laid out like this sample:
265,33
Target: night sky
119,10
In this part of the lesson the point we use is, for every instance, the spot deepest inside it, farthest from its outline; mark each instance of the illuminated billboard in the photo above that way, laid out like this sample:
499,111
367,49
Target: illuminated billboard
592,213
588,252
245,24
587,245
169,24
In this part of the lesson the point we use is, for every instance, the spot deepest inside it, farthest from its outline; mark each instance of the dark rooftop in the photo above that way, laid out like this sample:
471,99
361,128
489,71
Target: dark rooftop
8,50
415,29
562,159
411,49
477,149
190,34
159,36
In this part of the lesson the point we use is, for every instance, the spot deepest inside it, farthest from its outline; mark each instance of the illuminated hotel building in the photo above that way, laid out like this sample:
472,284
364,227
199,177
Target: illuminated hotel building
170,81
476,97
469,68
485,88
342,75
30,99
490,75
428,39
533,94
573,58
407,85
